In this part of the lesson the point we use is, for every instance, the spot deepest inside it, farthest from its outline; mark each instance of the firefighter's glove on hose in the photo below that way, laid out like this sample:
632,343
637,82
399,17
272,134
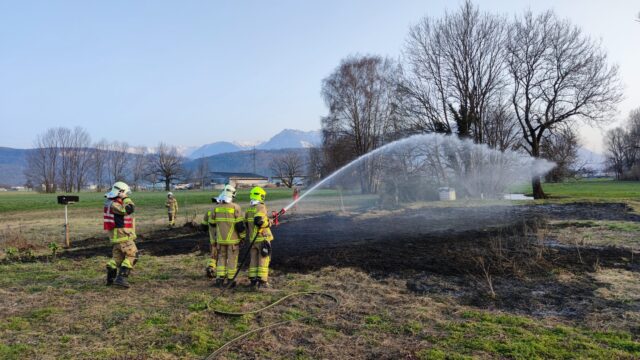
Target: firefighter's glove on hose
258,221
265,250
129,209
204,227
240,227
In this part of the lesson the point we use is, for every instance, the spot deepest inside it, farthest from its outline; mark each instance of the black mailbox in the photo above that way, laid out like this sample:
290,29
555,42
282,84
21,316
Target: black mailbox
68,199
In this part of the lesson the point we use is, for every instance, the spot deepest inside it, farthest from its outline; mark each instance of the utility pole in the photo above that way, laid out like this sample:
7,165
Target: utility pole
253,157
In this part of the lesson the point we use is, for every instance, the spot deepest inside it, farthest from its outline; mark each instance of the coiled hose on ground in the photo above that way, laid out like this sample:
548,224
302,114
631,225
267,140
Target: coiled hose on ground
221,349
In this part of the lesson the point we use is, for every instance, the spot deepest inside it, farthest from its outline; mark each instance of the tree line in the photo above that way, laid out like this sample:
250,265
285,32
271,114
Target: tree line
525,83
64,159
622,146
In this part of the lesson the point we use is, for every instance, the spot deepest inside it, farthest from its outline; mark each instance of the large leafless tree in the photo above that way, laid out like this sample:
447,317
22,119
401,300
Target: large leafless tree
167,164
558,74
287,167
360,95
454,72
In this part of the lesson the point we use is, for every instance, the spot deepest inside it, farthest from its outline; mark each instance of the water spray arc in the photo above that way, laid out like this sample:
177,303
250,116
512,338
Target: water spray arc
477,169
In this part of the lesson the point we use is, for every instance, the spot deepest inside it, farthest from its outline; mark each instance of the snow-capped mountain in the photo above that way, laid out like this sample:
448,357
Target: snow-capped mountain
289,138
286,139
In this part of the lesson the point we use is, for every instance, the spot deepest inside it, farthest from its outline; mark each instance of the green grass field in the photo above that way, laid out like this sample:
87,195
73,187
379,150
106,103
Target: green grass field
28,201
60,308
594,189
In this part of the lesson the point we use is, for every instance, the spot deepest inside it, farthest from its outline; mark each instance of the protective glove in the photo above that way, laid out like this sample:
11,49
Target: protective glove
265,249
258,221
240,227
204,227
129,208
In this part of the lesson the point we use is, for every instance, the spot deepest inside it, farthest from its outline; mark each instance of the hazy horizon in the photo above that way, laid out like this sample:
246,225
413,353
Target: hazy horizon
197,72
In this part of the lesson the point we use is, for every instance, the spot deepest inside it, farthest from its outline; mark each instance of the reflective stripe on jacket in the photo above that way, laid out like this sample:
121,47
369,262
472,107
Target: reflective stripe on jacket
119,226
264,232
224,217
114,216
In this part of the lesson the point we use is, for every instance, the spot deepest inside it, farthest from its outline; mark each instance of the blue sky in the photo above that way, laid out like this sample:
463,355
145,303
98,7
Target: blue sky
194,72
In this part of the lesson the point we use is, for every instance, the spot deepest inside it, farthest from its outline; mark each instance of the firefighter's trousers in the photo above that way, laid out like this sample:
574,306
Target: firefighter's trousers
123,254
227,261
259,265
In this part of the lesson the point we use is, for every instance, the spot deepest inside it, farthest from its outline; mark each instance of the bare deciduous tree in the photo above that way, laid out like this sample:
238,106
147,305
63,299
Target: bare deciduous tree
623,148
315,167
561,146
42,162
360,95
81,154
501,129
139,167
455,72
202,172
167,164
287,167
615,151
558,74
117,161
99,158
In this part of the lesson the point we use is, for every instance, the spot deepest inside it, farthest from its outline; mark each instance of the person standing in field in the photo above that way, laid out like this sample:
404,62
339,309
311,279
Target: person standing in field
119,224
260,235
172,208
229,224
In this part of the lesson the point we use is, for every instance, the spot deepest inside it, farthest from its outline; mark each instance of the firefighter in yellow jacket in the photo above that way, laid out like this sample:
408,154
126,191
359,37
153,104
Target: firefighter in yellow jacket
120,226
260,234
229,224
209,225
172,208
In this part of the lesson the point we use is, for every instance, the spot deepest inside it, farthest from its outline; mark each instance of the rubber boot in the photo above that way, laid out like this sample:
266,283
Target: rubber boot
263,285
111,275
254,282
121,279
230,284
211,272
219,282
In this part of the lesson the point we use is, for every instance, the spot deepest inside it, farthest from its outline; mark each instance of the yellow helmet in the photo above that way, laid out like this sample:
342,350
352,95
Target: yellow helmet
257,194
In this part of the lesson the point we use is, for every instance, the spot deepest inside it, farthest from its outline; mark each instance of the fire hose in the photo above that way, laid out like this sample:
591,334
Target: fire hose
276,221
280,323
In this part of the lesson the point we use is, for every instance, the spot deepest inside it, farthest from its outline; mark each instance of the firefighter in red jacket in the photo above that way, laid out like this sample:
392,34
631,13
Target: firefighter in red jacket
121,228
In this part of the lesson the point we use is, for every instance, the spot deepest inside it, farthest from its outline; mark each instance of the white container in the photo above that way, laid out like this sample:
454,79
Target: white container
447,194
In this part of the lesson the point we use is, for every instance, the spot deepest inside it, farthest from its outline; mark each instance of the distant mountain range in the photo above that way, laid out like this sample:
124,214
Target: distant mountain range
232,157
286,139
238,156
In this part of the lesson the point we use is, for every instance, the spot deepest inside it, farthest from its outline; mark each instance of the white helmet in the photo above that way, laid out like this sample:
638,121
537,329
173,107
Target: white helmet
228,194
170,194
117,188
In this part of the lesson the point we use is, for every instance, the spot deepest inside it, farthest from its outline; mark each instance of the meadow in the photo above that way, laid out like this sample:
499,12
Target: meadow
574,293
